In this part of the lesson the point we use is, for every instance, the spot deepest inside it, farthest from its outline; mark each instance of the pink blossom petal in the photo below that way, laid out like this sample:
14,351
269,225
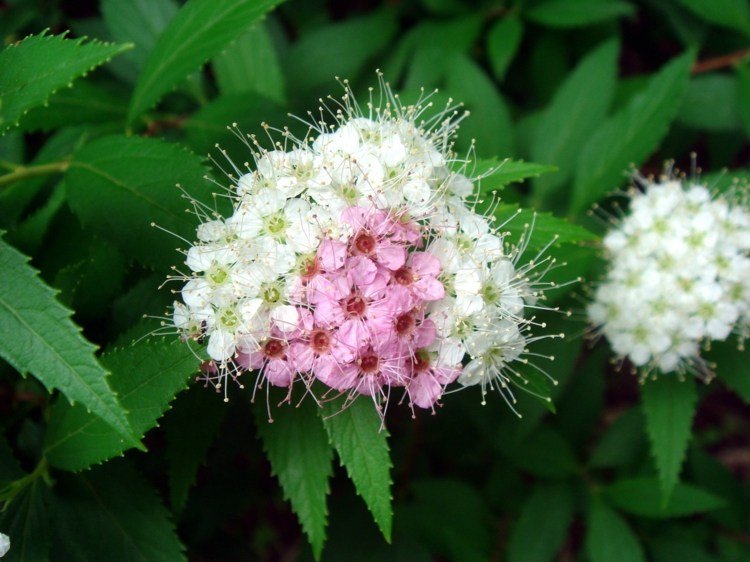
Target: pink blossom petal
424,263
424,390
332,254
429,289
391,256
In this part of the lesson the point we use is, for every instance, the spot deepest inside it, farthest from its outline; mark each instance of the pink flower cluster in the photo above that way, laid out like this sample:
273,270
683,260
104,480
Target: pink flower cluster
362,320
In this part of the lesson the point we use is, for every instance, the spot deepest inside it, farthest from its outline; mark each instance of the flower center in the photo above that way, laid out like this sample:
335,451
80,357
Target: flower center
355,305
310,268
421,361
369,363
405,324
365,242
271,294
273,349
217,275
490,294
228,319
276,224
404,276
320,341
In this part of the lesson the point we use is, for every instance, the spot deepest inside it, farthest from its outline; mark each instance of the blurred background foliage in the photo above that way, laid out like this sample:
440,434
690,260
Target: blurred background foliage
588,86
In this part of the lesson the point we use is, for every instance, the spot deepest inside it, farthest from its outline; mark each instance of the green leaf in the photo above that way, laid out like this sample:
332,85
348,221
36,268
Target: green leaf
34,69
608,536
469,535
37,336
680,548
576,111
732,367
199,31
26,521
489,122
577,13
503,41
139,22
669,405
540,229
317,57
147,376
190,428
711,103
110,513
137,176
84,102
542,525
631,135
642,496
251,65
30,233
361,442
743,95
208,126
545,453
623,441
734,14
495,174
301,457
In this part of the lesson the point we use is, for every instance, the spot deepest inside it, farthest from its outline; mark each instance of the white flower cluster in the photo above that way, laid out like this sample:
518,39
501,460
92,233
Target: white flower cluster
256,276
678,276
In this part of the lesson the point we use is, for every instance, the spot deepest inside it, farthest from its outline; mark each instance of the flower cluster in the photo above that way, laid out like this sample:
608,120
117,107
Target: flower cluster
677,278
355,257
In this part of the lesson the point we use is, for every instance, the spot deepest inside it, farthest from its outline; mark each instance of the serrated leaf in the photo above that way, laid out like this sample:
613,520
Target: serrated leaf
540,229
199,31
669,405
732,367
190,428
317,57
139,22
642,496
84,102
137,176
37,336
503,41
26,521
495,174
734,14
110,513
542,525
34,69
577,13
575,113
711,103
251,65
301,457
362,447
147,376
608,536
545,453
630,135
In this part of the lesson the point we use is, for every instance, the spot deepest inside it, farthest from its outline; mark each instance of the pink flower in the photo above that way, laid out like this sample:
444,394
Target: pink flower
374,366
273,363
428,379
420,276
372,238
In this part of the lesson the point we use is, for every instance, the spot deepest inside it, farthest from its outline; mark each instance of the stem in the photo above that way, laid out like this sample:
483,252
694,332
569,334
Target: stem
25,172
720,62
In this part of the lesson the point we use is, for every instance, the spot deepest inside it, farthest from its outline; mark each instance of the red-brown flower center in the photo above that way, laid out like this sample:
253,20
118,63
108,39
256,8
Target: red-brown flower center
364,242
274,349
369,363
320,341
403,276
355,305
405,324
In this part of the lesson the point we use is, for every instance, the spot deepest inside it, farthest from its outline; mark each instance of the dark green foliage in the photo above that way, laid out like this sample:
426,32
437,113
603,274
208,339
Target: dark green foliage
564,96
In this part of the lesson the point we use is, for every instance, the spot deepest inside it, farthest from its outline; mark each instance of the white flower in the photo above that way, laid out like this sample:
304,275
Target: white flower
673,281
4,544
